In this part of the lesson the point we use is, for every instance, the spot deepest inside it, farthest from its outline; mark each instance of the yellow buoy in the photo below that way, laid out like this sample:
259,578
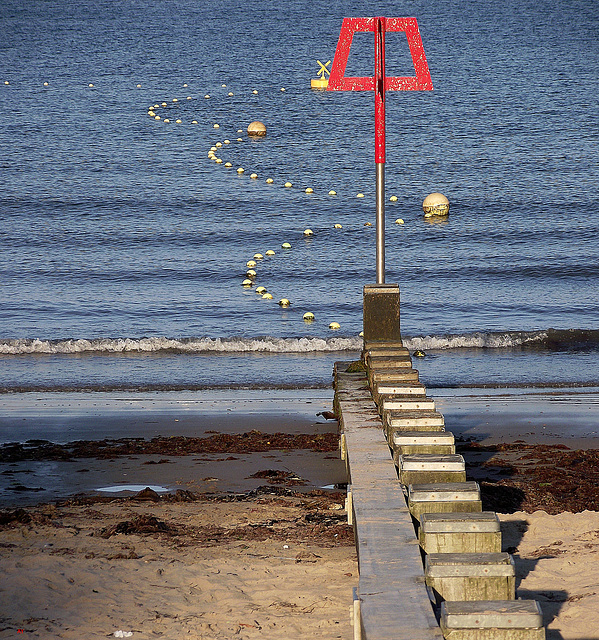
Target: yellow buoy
166,120
283,89
185,85
250,263
157,118
253,176
399,221
283,302
332,192
188,98
258,256
207,96
308,232
334,325
286,245
47,83
368,224
255,92
230,93
219,145
393,198
338,226
175,100
213,148
178,121
223,85
228,164
240,170
218,161
91,84
436,204
267,296
308,316
194,122
270,252
216,126
260,290
250,273
322,82
226,141
239,139
288,184
360,195
269,180
309,190
247,283
164,104
256,128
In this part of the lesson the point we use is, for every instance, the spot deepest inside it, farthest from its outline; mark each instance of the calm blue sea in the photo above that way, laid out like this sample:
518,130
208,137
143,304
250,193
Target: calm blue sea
123,246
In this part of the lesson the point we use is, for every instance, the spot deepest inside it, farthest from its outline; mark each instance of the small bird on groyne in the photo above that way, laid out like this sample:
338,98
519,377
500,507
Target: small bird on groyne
327,415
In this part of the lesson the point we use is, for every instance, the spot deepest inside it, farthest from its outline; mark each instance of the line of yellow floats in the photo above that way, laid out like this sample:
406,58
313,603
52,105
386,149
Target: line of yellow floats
251,274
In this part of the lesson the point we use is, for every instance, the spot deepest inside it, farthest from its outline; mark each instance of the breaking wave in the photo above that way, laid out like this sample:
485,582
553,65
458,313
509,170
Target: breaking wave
551,339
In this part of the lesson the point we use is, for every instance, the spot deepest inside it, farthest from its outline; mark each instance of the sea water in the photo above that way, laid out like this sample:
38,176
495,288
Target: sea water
123,247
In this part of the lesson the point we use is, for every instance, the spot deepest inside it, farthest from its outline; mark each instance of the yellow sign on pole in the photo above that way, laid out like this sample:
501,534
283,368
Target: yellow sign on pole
322,82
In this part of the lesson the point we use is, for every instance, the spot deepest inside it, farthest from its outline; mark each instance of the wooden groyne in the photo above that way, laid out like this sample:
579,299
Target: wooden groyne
430,560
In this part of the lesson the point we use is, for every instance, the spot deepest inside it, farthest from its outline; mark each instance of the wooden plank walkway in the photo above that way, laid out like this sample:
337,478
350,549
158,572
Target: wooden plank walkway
394,602
468,575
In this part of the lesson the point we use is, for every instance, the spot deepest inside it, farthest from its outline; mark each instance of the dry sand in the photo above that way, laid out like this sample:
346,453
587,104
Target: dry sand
270,565
267,567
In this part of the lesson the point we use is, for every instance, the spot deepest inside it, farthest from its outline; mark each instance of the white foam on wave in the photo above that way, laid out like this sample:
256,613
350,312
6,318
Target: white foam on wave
480,340
186,345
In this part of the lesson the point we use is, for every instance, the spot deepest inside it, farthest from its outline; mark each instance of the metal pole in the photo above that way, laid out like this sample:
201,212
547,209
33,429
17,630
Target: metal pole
379,145
380,222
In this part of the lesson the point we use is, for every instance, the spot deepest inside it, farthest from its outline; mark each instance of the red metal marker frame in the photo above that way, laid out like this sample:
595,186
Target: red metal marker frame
380,84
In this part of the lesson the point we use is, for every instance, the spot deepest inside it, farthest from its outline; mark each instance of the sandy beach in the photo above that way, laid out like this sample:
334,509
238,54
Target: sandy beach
245,534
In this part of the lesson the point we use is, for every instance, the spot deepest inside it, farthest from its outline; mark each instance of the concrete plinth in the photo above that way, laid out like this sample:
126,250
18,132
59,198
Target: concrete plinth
460,532
381,315
492,620
443,498
471,576
429,468
398,421
394,376
406,403
411,442
388,363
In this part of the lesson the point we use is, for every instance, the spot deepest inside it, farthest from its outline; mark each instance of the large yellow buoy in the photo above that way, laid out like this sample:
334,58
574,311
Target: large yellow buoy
308,316
435,204
334,325
256,128
284,302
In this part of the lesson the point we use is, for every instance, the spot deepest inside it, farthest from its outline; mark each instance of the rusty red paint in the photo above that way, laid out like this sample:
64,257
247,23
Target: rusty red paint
379,90
420,82
379,83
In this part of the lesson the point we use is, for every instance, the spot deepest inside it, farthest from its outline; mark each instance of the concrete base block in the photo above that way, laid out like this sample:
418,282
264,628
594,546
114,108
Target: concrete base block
443,498
381,314
471,576
492,620
430,468
431,442
460,532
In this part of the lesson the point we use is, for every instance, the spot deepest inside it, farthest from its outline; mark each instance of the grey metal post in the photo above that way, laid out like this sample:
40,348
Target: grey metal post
380,223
